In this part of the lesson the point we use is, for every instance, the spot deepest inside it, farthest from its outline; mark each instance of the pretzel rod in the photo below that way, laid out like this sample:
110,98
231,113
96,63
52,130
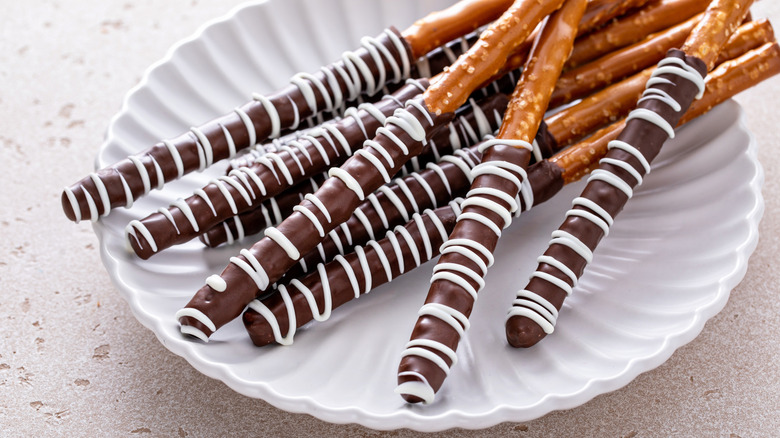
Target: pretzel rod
598,109
472,124
458,275
720,20
268,318
347,277
440,27
401,138
654,17
749,35
487,56
616,100
270,212
601,11
386,58
616,65
439,183
273,173
725,81
669,93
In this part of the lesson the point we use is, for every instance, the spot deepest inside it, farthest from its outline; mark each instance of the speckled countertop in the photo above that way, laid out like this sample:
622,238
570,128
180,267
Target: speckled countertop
75,362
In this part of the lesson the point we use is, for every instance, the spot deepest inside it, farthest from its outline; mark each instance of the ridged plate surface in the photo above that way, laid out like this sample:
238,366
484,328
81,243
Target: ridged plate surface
667,266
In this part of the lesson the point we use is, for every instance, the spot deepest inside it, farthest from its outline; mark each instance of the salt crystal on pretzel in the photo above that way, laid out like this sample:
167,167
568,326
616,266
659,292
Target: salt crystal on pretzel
616,65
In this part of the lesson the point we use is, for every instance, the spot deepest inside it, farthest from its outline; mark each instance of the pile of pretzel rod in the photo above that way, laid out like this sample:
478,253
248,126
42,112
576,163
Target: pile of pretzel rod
428,143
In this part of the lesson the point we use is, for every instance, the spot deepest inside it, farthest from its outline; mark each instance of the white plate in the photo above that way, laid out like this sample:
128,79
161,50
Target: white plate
667,266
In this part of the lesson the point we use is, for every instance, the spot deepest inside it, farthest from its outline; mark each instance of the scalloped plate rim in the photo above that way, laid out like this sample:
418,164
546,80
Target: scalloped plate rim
409,418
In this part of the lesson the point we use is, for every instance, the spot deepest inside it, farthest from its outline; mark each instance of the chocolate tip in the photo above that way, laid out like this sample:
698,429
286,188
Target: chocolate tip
415,391
67,204
195,323
522,332
260,332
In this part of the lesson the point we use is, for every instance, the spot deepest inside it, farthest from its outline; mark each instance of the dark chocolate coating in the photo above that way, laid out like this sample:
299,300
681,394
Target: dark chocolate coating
338,280
296,167
544,177
547,181
473,122
382,205
298,229
648,139
189,147
269,213
451,294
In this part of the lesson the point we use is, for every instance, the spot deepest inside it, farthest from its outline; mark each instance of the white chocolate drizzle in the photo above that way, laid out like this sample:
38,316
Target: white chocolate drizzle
416,227
532,305
356,75
463,276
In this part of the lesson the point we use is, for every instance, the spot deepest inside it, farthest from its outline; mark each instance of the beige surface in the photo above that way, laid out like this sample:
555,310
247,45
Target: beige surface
74,361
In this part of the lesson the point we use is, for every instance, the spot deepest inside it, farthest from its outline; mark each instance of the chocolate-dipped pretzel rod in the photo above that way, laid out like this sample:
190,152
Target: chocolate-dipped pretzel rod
544,180
471,125
616,65
386,58
615,101
392,204
276,318
224,296
245,188
728,79
678,79
654,17
270,175
458,275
